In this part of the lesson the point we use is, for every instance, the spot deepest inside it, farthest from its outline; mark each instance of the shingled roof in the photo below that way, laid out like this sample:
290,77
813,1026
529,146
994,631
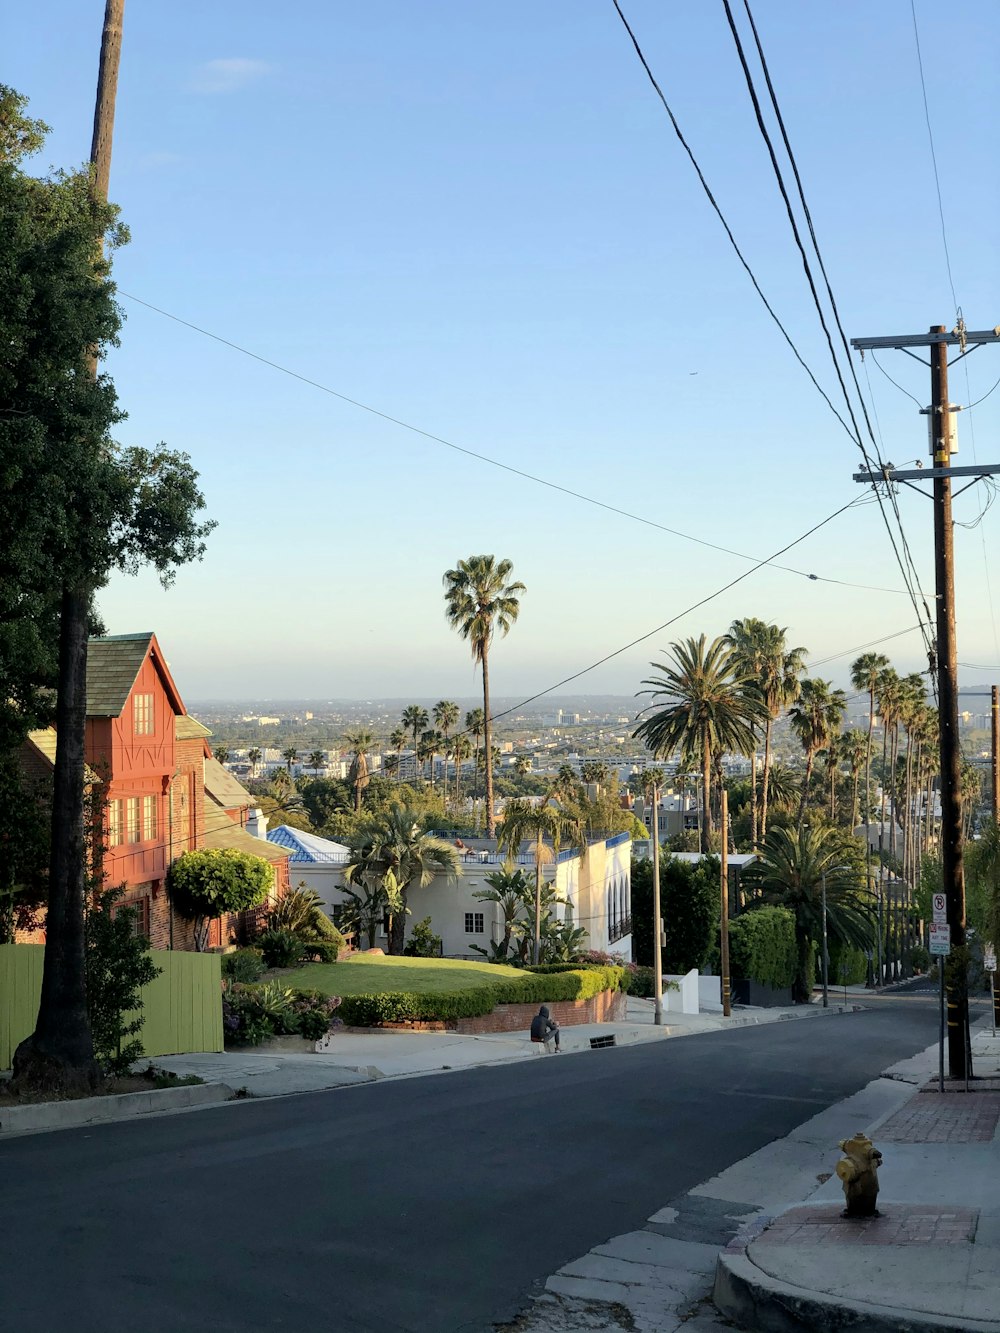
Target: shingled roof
222,788
113,662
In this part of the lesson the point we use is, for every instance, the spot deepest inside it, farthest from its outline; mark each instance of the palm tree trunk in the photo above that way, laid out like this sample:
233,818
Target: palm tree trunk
868,760
491,823
767,776
753,797
706,793
536,950
855,777
810,756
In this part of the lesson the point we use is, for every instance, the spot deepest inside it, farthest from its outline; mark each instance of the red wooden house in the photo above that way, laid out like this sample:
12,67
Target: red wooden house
164,793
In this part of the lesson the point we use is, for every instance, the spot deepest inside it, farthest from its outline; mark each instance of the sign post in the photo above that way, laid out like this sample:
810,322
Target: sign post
940,948
990,964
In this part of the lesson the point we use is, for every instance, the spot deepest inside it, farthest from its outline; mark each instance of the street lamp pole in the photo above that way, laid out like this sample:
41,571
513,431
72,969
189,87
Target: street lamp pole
657,922
826,952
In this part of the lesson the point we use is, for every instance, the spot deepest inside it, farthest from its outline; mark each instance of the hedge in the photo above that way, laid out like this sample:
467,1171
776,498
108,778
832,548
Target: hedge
531,988
762,947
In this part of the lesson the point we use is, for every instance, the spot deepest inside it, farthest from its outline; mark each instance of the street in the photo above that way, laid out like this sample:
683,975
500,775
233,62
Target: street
433,1203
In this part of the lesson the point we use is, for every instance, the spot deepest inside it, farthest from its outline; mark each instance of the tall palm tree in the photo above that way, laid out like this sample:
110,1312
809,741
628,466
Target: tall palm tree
522,765
479,600
415,720
397,739
461,748
889,690
475,720
854,748
290,755
316,761
771,671
221,752
567,784
431,743
816,719
593,771
707,711
780,683
392,849
358,775
445,717
793,865
254,756
523,822
865,673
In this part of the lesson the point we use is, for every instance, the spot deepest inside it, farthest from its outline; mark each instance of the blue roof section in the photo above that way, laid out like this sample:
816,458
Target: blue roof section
308,848
618,839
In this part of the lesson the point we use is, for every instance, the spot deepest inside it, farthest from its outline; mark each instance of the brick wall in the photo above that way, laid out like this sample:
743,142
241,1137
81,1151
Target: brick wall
606,1007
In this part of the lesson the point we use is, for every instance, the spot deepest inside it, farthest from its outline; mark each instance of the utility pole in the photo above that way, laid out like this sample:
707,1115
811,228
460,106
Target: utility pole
724,908
657,918
942,433
995,748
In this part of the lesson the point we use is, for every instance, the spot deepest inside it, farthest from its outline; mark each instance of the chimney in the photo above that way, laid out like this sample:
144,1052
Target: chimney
257,822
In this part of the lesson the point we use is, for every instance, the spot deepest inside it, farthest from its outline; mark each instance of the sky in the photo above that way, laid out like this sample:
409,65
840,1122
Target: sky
475,218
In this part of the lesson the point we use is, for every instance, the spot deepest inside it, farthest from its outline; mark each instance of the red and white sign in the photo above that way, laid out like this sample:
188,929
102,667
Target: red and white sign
940,940
939,909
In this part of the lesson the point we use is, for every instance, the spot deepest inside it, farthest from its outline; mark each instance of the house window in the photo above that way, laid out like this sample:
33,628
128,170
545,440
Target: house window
148,818
140,916
475,923
132,819
142,712
114,823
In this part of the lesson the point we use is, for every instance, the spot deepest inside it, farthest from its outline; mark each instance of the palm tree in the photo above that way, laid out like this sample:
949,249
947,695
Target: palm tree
509,888
254,756
793,865
567,784
522,765
393,850
523,821
707,711
772,673
816,719
445,717
357,774
461,748
593,771
415,720
316,761
865,673
221,753
853,749
479,600
391,765
397,739
290,755
431,743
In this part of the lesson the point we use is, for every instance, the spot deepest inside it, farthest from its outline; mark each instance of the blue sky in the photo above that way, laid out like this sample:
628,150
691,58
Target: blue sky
475,217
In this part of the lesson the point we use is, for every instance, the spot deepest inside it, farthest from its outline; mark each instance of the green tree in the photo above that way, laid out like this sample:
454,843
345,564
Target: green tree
689,900
393,850
461,748
415,720
221,753
791,870
865,673
78,506
209,883
816,720
254,755
479,600
316,761
509,888
118,966
706,711
780,683
854,749
446,716
397,739
290,756
359,741
524,822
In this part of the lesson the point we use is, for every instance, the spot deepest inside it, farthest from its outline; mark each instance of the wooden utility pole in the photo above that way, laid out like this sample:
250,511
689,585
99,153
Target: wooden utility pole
944,661
727,1008
995,748
657,913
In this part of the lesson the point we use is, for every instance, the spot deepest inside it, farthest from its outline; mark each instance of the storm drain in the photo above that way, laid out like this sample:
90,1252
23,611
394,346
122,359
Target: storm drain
598,1043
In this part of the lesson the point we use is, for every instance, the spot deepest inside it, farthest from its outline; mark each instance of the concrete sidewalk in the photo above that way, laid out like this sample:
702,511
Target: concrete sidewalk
931,1260
352,1057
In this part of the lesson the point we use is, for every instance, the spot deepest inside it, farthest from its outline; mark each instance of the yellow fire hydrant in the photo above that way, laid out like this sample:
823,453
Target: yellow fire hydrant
858,1172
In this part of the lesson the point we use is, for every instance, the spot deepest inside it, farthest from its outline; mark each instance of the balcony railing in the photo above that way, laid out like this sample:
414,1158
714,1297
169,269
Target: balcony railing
619,929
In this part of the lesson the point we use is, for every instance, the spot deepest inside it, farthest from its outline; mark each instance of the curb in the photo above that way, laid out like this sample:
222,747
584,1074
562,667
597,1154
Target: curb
41,1116
748,1296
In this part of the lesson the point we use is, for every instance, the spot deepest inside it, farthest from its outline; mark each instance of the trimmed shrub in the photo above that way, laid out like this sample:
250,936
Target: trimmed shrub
848,967
762,947
243,965
423,943
281,948
251,1014
640,981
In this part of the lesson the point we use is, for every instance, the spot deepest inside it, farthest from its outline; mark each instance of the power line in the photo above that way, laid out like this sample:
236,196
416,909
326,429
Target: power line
495,462
912,397
930,139
862,647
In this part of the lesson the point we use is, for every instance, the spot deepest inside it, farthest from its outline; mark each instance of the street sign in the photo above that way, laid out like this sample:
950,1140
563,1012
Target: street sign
940,940
989,958
939,908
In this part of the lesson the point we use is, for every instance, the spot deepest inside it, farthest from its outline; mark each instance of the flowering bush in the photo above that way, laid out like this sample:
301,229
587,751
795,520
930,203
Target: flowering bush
251,1014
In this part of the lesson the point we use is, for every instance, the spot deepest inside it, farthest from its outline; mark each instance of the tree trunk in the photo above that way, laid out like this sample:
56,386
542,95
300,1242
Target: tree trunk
767,777
805,787
868,762
397,926
855,779
491,823
706,794
59,1054
536,951
753,798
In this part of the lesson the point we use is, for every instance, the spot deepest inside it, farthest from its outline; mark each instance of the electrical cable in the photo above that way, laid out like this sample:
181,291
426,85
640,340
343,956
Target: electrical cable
494,462
930,137
912,397
862,647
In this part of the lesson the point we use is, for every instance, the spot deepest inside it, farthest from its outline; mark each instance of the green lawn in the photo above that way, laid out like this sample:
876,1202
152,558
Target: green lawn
365,975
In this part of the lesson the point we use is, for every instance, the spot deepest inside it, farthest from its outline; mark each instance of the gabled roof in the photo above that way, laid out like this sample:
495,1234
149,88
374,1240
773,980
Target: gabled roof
44,741
188,728
221,832
113,662
308,848
222,787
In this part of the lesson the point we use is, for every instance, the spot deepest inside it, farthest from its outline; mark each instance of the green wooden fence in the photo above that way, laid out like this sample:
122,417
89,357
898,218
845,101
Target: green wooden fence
182,1008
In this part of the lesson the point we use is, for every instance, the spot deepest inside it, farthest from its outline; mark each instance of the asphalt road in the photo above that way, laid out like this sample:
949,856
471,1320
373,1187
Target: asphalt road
429,1204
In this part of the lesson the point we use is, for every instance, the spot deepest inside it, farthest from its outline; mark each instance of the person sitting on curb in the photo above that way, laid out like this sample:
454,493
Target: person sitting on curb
545,1029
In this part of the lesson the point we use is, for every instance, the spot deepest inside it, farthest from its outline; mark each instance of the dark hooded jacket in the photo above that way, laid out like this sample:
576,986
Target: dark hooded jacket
542,1025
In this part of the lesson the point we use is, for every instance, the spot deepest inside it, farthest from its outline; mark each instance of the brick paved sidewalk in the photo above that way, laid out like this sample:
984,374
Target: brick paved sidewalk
900,1224
949,1117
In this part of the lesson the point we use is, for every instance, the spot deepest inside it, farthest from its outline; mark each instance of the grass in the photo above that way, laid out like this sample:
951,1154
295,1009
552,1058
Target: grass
370,976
